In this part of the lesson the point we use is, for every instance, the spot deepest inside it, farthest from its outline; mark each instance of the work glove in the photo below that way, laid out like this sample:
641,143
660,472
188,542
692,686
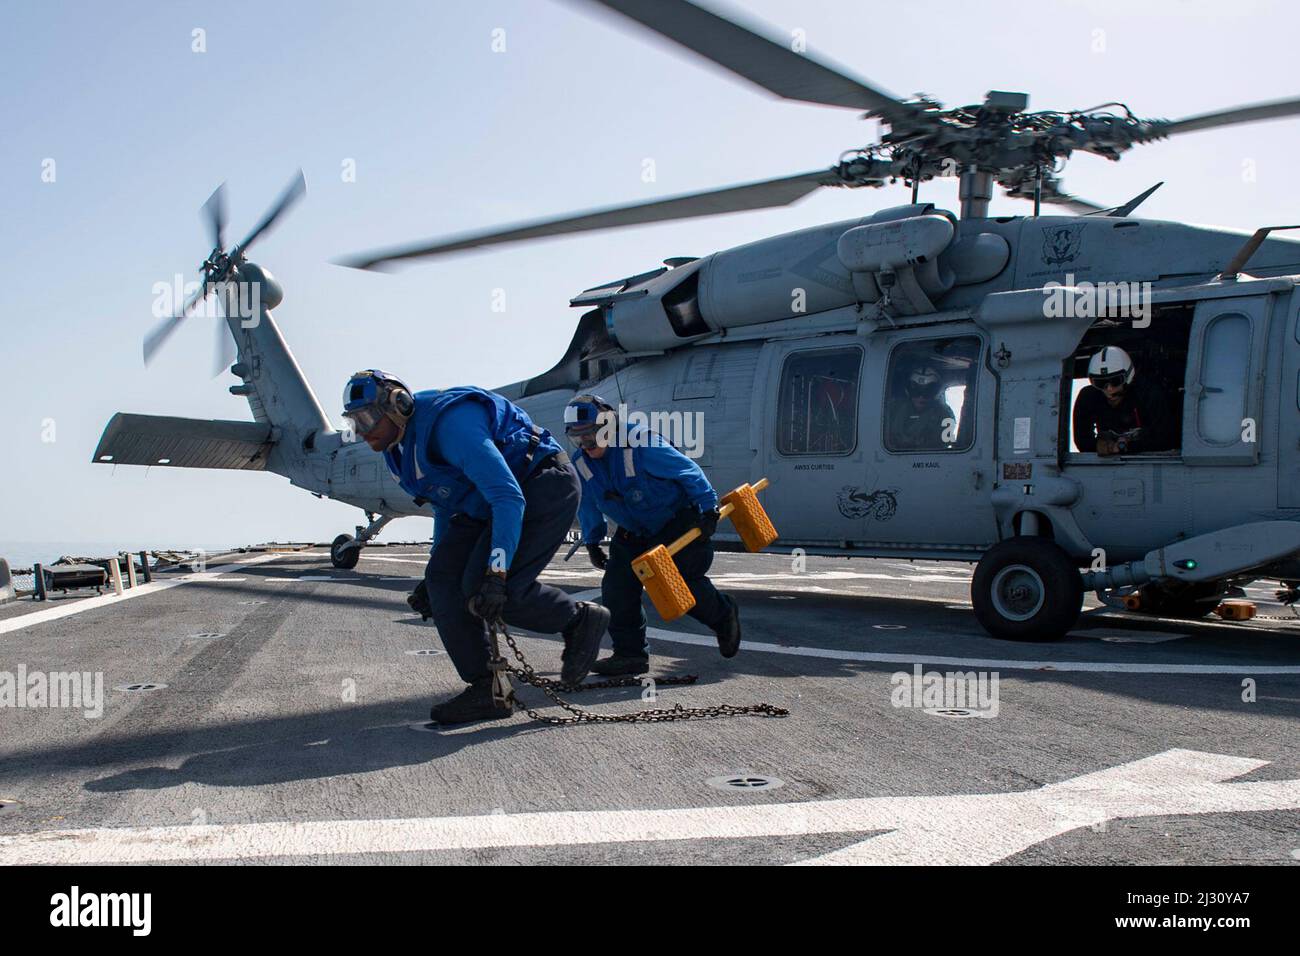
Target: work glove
419,601
598,556
708,522
490,599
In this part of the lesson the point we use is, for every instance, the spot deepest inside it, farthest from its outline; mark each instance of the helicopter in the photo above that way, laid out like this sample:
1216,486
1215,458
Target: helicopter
800,352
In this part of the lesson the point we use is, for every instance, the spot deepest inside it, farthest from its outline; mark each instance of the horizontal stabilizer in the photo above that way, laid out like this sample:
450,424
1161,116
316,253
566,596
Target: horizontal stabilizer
184,443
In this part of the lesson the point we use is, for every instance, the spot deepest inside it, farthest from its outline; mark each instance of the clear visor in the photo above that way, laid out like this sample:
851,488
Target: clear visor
365,420
584,437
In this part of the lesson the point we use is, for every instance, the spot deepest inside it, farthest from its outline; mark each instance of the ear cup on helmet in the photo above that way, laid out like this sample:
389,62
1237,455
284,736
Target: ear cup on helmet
399,399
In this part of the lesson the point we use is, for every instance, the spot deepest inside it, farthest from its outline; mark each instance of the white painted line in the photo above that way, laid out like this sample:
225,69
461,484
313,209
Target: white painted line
961,829
746,577
376,557
981,663
103,600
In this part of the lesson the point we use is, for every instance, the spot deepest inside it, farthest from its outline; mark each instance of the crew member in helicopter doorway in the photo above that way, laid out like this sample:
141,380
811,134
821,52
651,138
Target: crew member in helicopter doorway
1119,413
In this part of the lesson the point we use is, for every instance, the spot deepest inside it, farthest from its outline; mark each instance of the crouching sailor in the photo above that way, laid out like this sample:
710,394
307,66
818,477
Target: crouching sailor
654,494
503,494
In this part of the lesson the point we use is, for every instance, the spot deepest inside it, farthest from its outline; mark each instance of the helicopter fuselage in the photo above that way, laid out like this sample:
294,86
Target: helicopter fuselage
807,399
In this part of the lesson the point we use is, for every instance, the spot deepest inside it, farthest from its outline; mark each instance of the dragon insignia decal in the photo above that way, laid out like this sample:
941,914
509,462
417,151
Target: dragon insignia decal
1061,244
880,504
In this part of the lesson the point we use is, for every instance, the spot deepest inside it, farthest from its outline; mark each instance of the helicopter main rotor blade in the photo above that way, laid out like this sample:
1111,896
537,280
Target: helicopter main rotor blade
1274,109
1050,192
759,195
214,210
161,332
752,53
1080,207
292,193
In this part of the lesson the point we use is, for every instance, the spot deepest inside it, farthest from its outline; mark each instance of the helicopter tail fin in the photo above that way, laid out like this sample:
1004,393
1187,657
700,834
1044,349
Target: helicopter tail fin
277,391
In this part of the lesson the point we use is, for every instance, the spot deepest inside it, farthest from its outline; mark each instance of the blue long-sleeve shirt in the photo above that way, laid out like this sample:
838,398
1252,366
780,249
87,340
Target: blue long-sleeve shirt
643,497
463,439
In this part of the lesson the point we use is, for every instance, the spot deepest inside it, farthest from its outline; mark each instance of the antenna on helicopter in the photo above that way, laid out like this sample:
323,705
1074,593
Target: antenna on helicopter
1248,249
996,142
221,266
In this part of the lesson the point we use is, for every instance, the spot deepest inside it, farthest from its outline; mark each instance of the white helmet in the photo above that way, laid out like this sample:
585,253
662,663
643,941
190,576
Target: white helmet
1111,363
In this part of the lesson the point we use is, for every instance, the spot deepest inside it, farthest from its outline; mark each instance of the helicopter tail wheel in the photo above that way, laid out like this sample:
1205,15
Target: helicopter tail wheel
345,552
1027,589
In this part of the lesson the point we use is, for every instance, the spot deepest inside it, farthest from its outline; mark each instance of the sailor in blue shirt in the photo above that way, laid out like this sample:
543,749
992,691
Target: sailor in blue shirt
654,494
504,495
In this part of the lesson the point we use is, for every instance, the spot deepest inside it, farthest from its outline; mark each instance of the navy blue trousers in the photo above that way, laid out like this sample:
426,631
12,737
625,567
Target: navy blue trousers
457,564
620,589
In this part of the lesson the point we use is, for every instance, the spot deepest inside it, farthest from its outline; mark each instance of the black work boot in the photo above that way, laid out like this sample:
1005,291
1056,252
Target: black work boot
473,703
619,665
582,641
728,631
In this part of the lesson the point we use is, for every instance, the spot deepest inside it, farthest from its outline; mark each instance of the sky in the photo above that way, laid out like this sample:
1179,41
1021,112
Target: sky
459,115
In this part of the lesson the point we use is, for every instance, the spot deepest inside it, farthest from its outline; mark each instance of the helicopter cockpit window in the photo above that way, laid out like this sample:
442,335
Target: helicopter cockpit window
818,410
930,395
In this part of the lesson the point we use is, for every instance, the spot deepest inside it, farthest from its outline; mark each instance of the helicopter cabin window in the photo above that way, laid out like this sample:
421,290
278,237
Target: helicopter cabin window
1125,385
818,402
930,395
1224,377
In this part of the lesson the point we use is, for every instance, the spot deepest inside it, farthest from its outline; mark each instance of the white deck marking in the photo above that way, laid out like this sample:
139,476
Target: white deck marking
981,663
748,577
933,830
140,590
1120,636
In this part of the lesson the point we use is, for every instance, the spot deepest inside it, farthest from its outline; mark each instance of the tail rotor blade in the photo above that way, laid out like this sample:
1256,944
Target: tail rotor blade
158,335
214,211
161,332
292,193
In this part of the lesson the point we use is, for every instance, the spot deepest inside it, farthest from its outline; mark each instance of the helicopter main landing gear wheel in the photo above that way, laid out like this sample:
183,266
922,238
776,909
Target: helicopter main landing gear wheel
345,552
1027,589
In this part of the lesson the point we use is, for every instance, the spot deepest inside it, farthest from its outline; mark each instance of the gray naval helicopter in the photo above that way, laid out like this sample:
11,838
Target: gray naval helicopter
811,356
